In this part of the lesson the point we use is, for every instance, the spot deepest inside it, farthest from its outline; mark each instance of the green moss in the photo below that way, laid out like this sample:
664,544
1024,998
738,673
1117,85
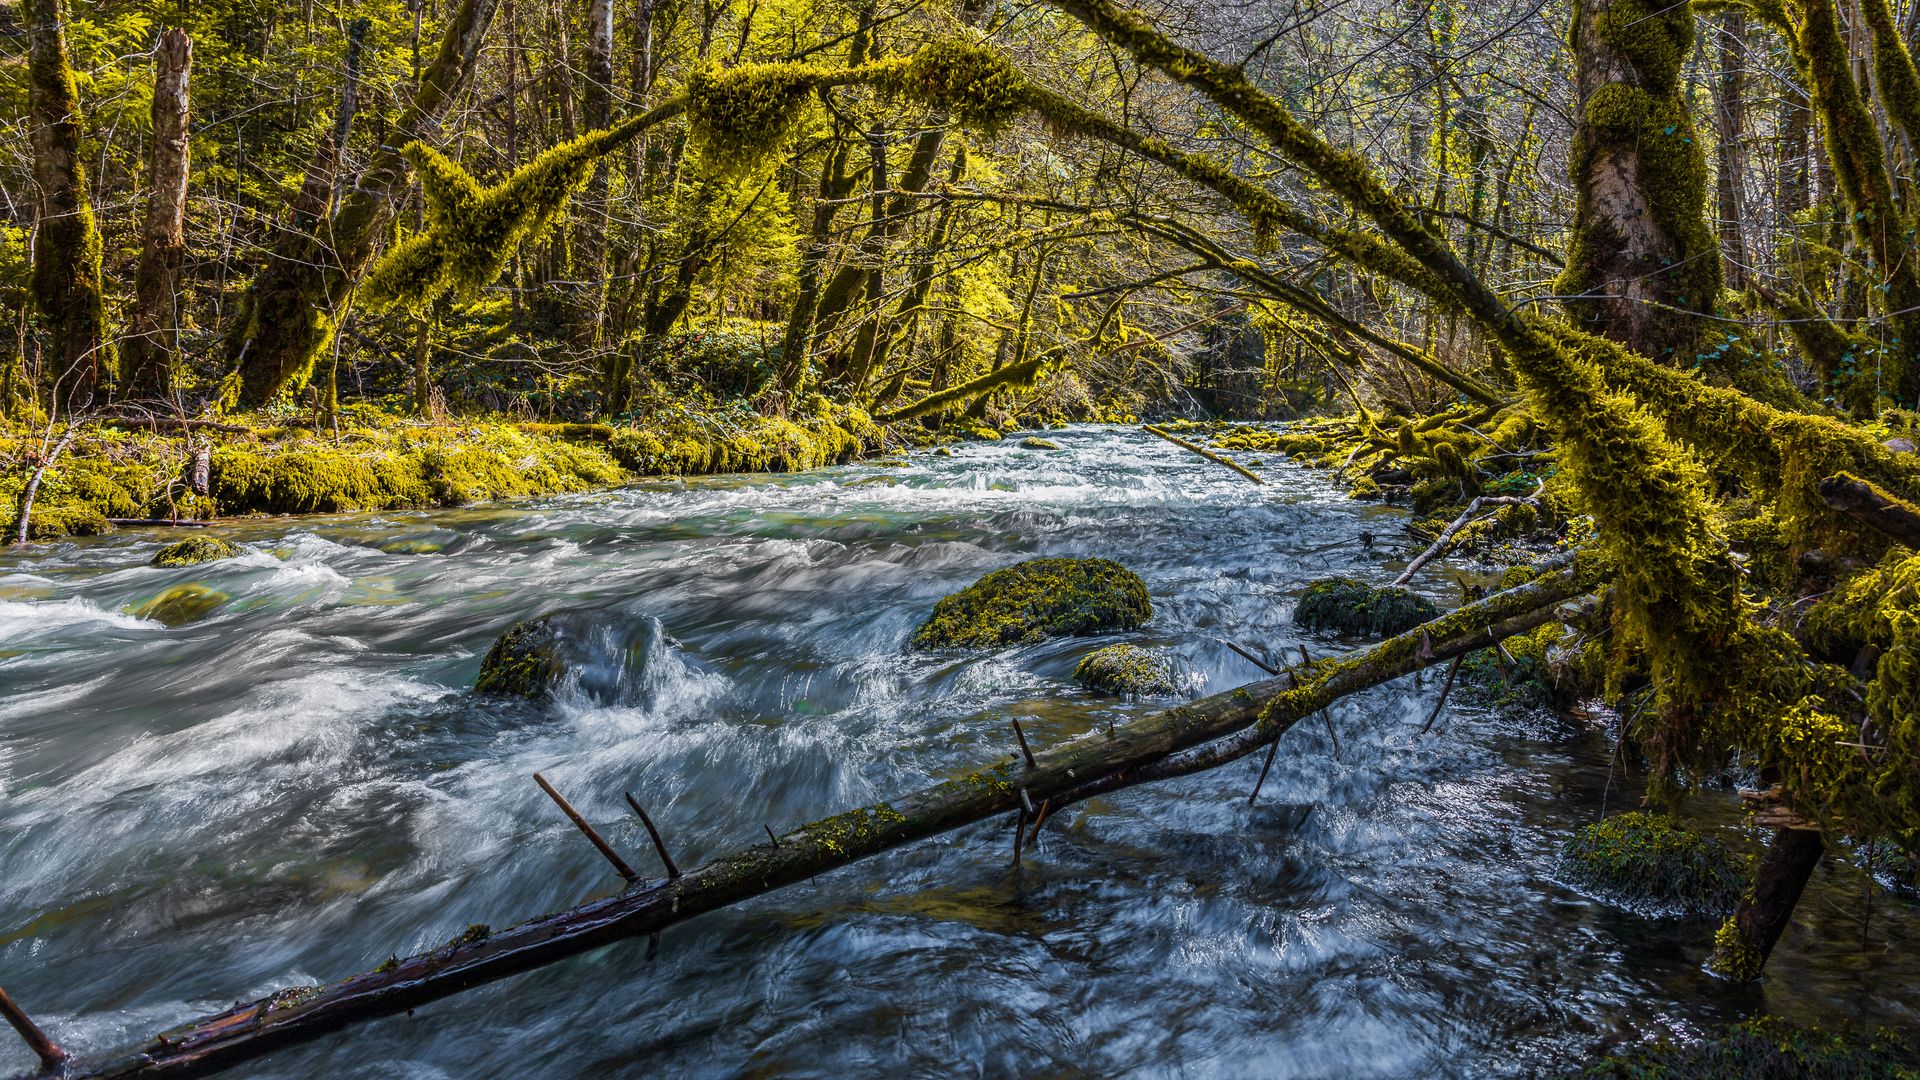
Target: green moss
1648,860
525,662
1035,600
1128,671
1768,1048
1351,607
1033,443
195,550
181,605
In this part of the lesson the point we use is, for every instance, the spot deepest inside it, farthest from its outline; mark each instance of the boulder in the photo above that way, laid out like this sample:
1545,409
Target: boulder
1652,863
181,605
1127,671
196,550
1036,600
600,655
1352,608
1035,443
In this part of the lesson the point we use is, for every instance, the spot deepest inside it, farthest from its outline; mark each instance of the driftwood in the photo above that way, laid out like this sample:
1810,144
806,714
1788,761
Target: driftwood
1873,507
1203,452
1177,741
1440,543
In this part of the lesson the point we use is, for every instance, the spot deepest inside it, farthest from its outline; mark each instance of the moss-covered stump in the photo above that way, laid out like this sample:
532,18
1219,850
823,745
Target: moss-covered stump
598,654
1649,862
1036,600
196,550
1352,608
1126,671
1768,1048
181,605
1037,443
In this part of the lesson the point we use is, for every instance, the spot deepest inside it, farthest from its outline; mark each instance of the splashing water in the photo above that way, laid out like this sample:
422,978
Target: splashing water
299,784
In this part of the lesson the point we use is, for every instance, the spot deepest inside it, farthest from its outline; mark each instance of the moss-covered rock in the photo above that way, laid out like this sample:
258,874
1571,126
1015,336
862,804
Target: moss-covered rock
195,550
1768,1048
1351,607
1127,670
1035,600
181,605
1034,442
602,655
1649,861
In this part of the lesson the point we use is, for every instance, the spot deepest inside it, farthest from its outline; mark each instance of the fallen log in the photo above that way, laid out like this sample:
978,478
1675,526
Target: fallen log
1874,507
1124,755
1195,448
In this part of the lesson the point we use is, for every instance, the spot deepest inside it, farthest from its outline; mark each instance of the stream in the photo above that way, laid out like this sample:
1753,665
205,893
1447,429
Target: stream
300,784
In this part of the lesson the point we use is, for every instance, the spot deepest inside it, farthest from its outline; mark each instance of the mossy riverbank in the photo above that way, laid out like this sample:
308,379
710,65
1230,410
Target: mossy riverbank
374,461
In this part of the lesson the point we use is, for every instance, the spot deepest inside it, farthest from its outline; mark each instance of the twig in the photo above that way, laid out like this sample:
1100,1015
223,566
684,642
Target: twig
593,837
1445,688
1250,658
660,845
51,1055
1446,536
1025,750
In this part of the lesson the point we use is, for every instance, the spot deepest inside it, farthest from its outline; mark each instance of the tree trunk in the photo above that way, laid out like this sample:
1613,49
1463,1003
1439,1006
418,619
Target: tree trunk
1747,938
1178,741
153,334
1641,255
1730,117
590,242
287,320
66,289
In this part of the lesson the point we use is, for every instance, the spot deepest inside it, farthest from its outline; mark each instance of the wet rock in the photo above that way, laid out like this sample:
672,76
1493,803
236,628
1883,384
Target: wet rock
1651,862
600,655
1035,443
986,433
181,605
943,451
195,550
1128,671
1899,444
1036,600
1351,607
1768,1048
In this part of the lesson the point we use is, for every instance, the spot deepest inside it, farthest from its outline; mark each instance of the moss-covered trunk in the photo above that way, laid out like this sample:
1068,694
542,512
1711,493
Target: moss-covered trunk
67,296
1642,254
288,317
153,324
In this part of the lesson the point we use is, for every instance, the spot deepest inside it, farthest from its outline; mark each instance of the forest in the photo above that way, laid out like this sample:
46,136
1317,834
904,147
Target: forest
918,418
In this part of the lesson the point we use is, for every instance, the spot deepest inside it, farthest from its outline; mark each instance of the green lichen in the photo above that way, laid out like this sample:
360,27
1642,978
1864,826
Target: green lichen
1035,600
1651,862
524,662
181,605
1128,671
196,550
1351,607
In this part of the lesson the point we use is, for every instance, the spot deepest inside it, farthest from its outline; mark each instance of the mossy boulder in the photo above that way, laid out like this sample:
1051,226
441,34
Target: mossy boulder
1352,608
1651,862
1036,600
1037,443
600,655
196,550
1127,670
181,605
1768,1048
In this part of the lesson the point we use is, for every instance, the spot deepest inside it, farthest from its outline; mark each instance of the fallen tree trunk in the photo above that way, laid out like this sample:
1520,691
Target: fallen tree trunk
1195,448
1873,506
1122,756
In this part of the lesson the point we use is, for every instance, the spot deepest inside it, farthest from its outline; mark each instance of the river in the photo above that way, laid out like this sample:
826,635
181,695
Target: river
300,784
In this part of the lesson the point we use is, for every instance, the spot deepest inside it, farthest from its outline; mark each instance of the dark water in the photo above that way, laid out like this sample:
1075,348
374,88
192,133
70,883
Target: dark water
298,786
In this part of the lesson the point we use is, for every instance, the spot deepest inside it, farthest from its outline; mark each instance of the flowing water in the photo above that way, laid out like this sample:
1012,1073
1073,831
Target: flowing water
299,784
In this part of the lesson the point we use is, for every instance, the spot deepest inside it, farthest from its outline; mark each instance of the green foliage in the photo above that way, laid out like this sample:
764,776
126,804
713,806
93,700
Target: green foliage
1768,1048
1127,671
1650,861
1352,608
195,550
1036,600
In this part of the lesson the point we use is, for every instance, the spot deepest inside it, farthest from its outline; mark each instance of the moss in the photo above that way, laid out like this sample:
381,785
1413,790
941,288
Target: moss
181,605
1767,1048
1351,607
1033,443
1645,860
1126,670
1035,600
195,550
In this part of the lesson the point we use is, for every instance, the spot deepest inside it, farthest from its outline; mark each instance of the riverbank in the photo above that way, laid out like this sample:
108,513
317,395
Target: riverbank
173,470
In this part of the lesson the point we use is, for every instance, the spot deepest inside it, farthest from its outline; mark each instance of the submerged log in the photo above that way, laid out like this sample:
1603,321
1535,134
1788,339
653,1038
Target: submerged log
1172,742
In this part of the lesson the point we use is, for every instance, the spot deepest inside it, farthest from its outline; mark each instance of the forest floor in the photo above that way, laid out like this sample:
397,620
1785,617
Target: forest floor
99,471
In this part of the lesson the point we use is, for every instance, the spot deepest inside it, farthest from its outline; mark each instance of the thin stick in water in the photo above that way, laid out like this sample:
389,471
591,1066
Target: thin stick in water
660,845
593,837
49,1051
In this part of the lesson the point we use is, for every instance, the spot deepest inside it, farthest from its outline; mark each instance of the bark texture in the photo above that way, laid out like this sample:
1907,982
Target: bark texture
153,329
